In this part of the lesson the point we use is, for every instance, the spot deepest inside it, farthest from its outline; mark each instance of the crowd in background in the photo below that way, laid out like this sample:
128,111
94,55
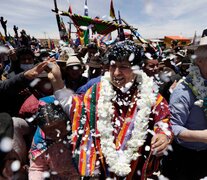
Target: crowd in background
25,90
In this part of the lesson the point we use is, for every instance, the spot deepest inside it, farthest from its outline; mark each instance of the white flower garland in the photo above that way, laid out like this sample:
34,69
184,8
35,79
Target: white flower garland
119,161
198,87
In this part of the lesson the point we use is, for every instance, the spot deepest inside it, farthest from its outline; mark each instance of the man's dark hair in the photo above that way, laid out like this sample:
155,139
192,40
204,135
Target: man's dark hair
92,46
24,50
124,50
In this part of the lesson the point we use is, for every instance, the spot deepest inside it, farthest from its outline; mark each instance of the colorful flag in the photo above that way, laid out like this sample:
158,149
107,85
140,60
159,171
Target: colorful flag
70,9
112,12
2,39
103,38
86,32
99,25
63,32
85,9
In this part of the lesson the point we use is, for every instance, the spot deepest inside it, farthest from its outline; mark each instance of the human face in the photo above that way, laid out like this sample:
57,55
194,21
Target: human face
74,72
121,73
151,67
202,64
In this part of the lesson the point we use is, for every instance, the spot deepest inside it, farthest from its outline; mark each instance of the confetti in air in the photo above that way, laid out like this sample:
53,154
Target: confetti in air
30,119
6,144
35,82
147,148
131,57
56,102
161,177
46,174
76,68
15,166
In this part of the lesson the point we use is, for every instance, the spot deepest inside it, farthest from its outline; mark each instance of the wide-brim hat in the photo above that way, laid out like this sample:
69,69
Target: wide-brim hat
72,61
95,62
202,42
63,57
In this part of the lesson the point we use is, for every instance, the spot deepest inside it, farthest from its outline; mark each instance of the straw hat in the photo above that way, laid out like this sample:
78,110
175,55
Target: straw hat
73,60
202,43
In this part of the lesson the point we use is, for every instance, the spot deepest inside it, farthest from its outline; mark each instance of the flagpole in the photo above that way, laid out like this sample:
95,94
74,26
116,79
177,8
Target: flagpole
135,32
57,15
120,30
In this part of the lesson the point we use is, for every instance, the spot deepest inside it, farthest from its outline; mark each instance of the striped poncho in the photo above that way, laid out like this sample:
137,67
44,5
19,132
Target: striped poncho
86,147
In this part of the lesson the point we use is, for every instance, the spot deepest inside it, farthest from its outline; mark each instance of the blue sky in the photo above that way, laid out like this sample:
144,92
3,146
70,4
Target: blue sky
153,18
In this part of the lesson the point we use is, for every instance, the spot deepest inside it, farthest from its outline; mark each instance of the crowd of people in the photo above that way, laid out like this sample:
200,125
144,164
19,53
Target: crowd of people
118,111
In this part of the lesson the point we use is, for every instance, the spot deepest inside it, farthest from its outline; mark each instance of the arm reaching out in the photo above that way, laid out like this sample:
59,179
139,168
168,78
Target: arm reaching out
55,77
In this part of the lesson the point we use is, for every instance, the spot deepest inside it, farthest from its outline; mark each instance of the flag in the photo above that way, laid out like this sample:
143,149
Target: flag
80,39
121,30
86,9
2,39
99,25
86,37
70,9
63,32
103,38
49,43
86,32
112,13
193,42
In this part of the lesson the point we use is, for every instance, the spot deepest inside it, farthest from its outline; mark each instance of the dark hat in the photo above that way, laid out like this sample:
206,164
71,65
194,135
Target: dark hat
6,130
124,50
95,62
6,126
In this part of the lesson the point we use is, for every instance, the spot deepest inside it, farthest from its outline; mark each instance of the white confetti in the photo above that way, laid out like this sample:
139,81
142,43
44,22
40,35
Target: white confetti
151,132
56,102
61,151
76,67
118,123
199,103
35,82
46,174
131,57
80,131
147,148
15,166
30,119
6,144
39,146
47,86
161,177
54,173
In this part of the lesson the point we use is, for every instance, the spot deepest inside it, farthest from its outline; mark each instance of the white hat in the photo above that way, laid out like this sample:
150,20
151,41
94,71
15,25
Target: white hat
73,60
203,42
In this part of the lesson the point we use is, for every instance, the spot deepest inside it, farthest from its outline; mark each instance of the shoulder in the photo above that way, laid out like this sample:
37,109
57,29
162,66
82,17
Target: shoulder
182,94
93,91
182,90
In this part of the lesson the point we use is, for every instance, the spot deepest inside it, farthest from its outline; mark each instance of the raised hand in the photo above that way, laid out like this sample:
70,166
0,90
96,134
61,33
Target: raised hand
55,76
35,71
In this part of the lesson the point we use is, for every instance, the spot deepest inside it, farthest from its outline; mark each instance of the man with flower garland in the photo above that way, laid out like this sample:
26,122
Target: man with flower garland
120,126
188,104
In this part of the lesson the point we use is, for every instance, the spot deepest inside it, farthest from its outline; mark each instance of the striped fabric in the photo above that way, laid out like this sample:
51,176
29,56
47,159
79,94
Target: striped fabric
38,144
86,142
